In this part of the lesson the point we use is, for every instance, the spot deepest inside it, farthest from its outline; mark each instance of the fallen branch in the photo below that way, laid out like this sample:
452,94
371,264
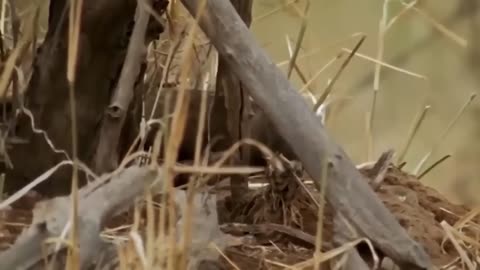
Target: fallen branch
347,192
342,233
100,203
95,207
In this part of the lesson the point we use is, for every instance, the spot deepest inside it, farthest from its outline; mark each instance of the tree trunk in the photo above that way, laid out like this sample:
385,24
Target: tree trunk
103,43
234,102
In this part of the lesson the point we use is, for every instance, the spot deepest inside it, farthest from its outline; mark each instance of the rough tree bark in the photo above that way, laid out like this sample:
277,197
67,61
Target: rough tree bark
103,42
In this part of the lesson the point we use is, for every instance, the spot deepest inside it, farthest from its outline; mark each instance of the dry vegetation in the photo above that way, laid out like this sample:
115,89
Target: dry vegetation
150,186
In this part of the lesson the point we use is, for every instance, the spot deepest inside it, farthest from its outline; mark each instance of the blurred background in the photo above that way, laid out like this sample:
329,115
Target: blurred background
438,40
435,46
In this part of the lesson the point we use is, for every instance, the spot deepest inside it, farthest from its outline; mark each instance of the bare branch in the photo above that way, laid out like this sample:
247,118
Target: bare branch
106,157
347,191
51,217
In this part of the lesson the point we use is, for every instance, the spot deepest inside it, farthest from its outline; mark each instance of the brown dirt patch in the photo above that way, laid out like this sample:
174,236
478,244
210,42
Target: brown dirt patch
418,208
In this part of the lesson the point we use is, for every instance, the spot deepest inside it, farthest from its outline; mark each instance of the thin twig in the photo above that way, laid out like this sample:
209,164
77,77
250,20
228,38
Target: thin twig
273,11
435,164
301,34
15,22
165,71
188,211
321,209
413,131
73,48
176,136
296,67
441,28
407,8
381,167
376,80
444,134
319,72
386,65
370,119
345,63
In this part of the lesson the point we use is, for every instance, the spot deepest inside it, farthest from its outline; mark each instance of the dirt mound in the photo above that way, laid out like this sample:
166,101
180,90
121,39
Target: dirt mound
418,208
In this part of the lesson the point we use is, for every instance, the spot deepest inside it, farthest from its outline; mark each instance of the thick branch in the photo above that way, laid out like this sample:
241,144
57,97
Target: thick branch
95,207
106,156
347,190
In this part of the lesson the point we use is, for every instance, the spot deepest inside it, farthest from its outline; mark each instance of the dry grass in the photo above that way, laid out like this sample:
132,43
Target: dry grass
148,239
